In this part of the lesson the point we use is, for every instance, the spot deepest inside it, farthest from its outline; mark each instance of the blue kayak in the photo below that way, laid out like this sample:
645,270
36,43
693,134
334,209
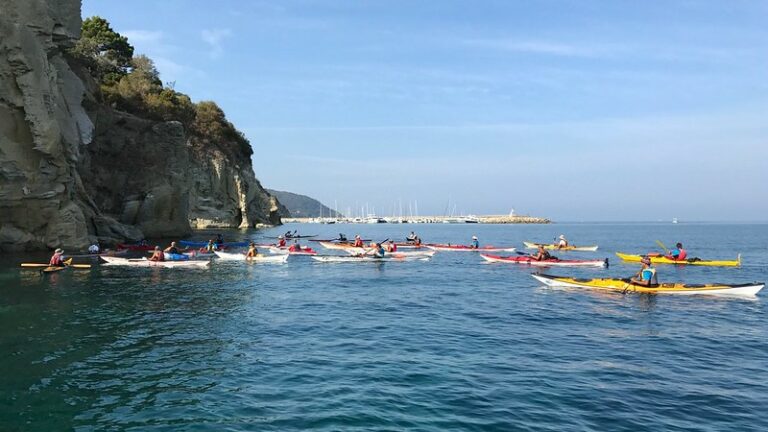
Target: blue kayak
189,243
176,257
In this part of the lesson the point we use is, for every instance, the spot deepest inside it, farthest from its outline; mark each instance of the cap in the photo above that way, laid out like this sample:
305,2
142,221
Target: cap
474,237
157,247
59,250
562,237
357,236
280,236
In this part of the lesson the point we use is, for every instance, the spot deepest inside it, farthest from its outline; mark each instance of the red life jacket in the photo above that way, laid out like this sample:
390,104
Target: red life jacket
57,260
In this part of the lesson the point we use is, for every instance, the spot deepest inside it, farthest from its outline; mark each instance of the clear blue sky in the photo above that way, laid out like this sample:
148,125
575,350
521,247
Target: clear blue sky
575,110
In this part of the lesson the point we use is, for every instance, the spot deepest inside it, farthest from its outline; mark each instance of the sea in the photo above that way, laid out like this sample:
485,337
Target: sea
450,344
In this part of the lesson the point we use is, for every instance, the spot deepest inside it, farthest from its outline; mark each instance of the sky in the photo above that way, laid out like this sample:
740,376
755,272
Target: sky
573,110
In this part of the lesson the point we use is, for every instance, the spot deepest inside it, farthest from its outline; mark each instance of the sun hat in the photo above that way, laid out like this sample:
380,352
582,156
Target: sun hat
59,250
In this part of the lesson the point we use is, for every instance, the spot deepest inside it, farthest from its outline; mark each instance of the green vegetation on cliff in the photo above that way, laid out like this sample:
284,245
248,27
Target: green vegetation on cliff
302,205
132,84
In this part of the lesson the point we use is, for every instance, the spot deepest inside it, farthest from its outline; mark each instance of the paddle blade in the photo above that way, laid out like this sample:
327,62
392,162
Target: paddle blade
658,242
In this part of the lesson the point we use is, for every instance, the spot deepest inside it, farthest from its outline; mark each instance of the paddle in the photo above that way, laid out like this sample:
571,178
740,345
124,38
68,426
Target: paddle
658,242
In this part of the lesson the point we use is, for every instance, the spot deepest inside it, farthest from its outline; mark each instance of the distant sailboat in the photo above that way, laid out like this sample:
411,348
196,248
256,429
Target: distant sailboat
674,220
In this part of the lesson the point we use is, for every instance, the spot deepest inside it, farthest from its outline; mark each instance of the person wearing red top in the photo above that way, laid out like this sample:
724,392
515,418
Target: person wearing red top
57,260
358,242
391,246
678,253
280,241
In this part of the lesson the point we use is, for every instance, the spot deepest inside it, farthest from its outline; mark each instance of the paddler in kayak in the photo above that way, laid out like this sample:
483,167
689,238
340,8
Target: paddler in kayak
678,253
475,243
647,274
411,238
295,247
157,255
252,251
342,238
562,242
57,260
280,241
541,254
377,251
391,246
172,249
210,247
93,249
358,242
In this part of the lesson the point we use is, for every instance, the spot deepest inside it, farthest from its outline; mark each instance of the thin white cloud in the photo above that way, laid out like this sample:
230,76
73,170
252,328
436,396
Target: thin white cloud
143,36
214,38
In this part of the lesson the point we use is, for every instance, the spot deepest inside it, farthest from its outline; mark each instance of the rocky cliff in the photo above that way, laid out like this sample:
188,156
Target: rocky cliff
74,170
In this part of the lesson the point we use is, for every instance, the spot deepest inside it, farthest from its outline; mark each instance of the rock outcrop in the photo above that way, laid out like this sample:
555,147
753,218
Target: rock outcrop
74,170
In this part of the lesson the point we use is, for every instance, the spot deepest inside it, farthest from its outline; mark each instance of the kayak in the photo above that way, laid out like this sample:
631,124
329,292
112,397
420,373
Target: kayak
135,247
410,246
228,256
199,255
625,285
197,244
692,261
531,245
46,268
545,263
368,258
464,248
144,262
400,254
175,257
295,236
286,251
334,245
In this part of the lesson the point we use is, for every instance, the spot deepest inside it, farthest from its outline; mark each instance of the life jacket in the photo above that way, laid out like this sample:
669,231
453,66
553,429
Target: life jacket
281,243
648,274
393,248
682,255
380,252
358,243
57,260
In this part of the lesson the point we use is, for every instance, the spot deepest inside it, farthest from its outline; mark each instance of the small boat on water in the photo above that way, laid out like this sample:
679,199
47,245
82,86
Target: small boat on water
465,248
144,262
555,262
396,254
660,259
367,258
274,259
626,285
531,245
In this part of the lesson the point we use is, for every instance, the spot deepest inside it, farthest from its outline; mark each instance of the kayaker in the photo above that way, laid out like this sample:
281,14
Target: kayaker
377,251
678,253
93,249
562,243
252,251
391,246
280,241
57,260
475,243
172,249
358,242
157,255
210,247
541,254
342,238
417,241
647,274
295,247
411,237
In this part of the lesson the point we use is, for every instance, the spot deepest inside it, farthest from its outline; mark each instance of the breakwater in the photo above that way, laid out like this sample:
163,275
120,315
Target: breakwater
487,219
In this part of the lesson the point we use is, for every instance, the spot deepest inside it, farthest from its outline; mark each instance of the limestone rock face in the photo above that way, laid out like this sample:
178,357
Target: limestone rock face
42,126
226,194
71,176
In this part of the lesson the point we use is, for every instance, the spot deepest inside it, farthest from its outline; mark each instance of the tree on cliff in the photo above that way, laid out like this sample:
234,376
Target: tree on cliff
106,52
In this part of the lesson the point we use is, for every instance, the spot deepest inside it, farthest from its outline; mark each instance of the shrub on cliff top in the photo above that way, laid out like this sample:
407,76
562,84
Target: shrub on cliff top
104,51
212,126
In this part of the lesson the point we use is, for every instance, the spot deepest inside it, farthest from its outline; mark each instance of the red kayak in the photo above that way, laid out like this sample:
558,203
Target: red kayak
554,262
464,248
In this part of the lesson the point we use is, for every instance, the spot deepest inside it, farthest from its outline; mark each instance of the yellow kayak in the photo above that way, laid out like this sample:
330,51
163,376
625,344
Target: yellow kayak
625,285
531,245
665,260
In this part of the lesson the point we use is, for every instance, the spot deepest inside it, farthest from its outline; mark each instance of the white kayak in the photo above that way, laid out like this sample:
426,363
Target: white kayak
229,256
144,262
368,258
286,251
397,254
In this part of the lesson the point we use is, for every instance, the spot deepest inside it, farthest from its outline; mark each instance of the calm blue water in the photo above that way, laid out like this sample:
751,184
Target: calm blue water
451,344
